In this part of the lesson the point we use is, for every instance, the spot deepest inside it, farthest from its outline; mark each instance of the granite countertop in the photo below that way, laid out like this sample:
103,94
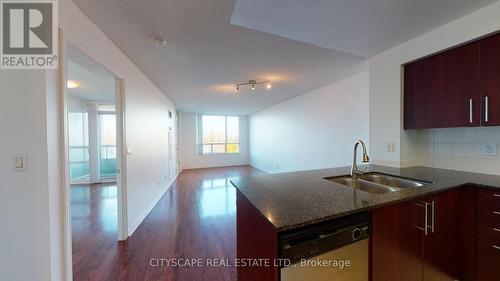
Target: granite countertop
293,200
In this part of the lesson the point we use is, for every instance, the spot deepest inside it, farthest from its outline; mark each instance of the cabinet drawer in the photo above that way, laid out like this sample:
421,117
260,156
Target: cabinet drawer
492,232
488,259
489,196
489,214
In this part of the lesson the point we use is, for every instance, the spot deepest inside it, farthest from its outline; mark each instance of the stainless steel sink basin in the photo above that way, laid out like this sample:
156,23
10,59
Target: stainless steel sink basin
392,181
363,185
378,183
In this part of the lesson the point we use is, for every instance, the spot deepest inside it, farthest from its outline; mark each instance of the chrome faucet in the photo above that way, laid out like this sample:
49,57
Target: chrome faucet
354,169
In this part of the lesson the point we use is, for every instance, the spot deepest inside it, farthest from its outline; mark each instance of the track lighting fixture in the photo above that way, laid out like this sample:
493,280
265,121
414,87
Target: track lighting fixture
253,84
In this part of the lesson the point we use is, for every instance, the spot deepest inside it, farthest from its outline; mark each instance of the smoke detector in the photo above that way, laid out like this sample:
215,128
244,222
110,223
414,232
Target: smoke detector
158,41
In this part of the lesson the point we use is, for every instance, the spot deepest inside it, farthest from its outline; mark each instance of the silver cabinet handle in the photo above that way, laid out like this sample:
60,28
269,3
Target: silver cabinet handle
496,229
496,247
496,195
496,213
486,113
426,222
433,216
470,111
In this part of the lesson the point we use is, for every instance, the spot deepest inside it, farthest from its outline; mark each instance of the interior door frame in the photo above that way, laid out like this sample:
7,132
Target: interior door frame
121,177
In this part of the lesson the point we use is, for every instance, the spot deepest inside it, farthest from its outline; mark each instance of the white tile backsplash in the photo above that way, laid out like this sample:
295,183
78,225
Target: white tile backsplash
459,149
488,135
443,149
443,162
465,150
464,135
443,135
488,166
464,164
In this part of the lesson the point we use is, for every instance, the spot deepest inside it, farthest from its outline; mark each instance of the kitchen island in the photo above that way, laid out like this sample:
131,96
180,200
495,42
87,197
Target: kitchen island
270,206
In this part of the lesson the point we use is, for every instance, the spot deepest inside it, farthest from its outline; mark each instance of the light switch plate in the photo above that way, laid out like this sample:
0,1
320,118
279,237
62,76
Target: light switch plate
19,162
489,149
390,147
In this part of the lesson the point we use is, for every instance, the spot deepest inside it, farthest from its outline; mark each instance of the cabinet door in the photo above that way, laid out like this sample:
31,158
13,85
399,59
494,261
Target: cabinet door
490,80
396,243
466,228
488,258
441,251
458,87
420,88
443,90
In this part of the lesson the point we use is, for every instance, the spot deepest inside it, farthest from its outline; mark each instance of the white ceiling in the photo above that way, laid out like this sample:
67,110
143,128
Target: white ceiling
206,55
96,83
361,27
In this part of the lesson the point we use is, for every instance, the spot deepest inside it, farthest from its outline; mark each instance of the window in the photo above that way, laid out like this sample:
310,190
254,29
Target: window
107,144
219,134
78,129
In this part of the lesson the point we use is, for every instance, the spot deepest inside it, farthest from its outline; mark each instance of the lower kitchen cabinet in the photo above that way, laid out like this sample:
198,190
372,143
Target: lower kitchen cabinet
396,243
488,235
424,239
488,259
440,246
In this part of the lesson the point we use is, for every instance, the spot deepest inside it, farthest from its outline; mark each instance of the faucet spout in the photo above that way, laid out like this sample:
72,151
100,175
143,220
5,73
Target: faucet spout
354,168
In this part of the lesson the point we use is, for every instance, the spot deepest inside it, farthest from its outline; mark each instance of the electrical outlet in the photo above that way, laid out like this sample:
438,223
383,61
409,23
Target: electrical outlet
489,149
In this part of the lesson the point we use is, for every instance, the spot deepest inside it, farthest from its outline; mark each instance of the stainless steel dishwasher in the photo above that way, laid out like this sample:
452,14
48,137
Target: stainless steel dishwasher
336,251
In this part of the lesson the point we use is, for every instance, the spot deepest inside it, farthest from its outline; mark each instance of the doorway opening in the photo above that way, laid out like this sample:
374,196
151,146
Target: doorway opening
94,122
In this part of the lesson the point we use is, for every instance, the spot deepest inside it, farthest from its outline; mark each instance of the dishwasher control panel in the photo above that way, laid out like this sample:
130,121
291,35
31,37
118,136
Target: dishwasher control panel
316,240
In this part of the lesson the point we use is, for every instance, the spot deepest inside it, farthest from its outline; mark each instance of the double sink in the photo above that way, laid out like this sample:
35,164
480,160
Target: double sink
378,183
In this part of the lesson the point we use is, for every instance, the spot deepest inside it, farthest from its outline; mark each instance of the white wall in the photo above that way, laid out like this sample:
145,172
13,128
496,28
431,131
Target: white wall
315,130
189,157
385,83
25,197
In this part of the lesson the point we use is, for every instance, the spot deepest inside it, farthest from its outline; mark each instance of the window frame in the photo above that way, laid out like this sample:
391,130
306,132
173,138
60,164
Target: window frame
200,143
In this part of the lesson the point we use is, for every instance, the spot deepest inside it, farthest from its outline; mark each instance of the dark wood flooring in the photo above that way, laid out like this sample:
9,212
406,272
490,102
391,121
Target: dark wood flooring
196,218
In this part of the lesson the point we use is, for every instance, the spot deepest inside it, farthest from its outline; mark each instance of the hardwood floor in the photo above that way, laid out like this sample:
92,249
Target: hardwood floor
94,227
195,219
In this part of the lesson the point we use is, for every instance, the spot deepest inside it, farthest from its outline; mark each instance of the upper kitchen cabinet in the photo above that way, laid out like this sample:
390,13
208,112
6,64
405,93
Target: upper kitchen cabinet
443,90
420,90
490,81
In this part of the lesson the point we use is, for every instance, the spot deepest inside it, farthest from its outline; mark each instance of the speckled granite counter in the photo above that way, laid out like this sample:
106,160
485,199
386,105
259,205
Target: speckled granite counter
292,200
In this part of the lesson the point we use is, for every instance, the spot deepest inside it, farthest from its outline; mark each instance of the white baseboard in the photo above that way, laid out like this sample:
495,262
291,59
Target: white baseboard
134,227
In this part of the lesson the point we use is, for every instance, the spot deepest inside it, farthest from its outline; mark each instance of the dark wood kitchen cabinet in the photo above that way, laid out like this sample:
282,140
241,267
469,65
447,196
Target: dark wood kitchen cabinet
423,239
420,84
256,239
440,251
442,90
396,243
490,80
456,88
488,235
